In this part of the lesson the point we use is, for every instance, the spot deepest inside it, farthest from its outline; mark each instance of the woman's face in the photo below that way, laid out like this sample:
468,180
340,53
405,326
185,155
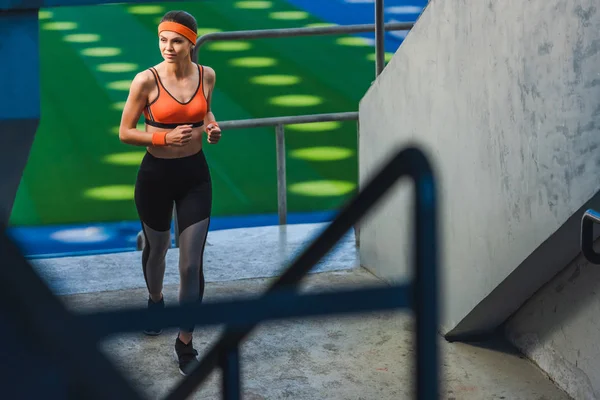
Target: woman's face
174,47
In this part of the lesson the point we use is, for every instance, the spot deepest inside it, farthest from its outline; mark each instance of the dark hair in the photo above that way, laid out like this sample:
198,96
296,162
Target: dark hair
183,18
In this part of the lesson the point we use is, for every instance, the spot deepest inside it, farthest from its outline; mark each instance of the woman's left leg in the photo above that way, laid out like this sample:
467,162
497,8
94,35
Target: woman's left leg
192,241
193,218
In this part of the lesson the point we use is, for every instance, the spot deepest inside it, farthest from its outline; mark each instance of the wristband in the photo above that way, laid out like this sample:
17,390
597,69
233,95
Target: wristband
213,123
159,139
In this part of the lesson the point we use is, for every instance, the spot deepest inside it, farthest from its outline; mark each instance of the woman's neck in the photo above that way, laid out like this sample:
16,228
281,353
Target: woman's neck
179,70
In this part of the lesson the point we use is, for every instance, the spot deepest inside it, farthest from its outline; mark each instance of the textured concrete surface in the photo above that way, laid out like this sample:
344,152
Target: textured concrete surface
229,254
367,356
505,98
358,357
558,329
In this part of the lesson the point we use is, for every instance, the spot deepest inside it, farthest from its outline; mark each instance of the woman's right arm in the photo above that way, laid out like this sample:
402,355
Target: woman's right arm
141,86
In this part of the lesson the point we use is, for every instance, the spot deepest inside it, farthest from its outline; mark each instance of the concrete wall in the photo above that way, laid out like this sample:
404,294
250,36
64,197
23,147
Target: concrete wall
505,98
559,329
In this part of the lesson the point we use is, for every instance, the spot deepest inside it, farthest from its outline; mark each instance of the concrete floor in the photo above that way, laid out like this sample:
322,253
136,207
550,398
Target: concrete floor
359,357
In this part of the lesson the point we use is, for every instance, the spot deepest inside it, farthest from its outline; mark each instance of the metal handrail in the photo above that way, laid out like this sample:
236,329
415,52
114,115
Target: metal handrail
379,27
288,120
279,123
590,217
379,45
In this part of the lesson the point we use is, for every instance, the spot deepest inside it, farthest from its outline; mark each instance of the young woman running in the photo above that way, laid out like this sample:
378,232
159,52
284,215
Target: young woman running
175,98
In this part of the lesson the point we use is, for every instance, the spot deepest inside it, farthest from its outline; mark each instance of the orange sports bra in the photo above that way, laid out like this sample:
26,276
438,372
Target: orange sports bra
168,112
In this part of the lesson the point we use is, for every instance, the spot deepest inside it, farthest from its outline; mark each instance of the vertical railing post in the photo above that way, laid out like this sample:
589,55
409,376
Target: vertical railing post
281,184
379,44
425,287
356,225
230,368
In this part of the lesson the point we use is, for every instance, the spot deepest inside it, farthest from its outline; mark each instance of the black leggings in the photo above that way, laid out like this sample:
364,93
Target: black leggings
187,183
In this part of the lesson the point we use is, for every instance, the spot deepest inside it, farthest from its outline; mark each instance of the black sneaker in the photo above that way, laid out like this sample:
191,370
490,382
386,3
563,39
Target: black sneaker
154,330
186,355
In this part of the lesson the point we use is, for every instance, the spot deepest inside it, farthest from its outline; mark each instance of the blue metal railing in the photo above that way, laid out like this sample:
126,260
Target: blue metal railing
590,217
72,339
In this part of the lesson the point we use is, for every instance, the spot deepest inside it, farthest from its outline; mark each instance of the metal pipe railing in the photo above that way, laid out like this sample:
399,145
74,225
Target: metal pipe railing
379,35
379,27
279,124
281,174
288,120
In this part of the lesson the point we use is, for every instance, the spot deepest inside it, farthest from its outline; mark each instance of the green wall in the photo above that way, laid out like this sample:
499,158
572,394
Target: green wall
78,169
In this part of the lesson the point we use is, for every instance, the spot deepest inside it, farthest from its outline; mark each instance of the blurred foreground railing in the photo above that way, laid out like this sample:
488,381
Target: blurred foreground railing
71,341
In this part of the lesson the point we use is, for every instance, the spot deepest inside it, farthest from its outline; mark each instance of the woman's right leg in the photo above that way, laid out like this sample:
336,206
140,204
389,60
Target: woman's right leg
153,260
154,203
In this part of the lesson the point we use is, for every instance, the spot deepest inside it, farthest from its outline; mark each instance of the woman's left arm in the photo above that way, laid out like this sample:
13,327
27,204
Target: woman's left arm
210,122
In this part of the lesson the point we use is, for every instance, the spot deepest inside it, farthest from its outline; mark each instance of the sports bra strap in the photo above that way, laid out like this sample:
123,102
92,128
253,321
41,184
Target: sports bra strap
156,79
